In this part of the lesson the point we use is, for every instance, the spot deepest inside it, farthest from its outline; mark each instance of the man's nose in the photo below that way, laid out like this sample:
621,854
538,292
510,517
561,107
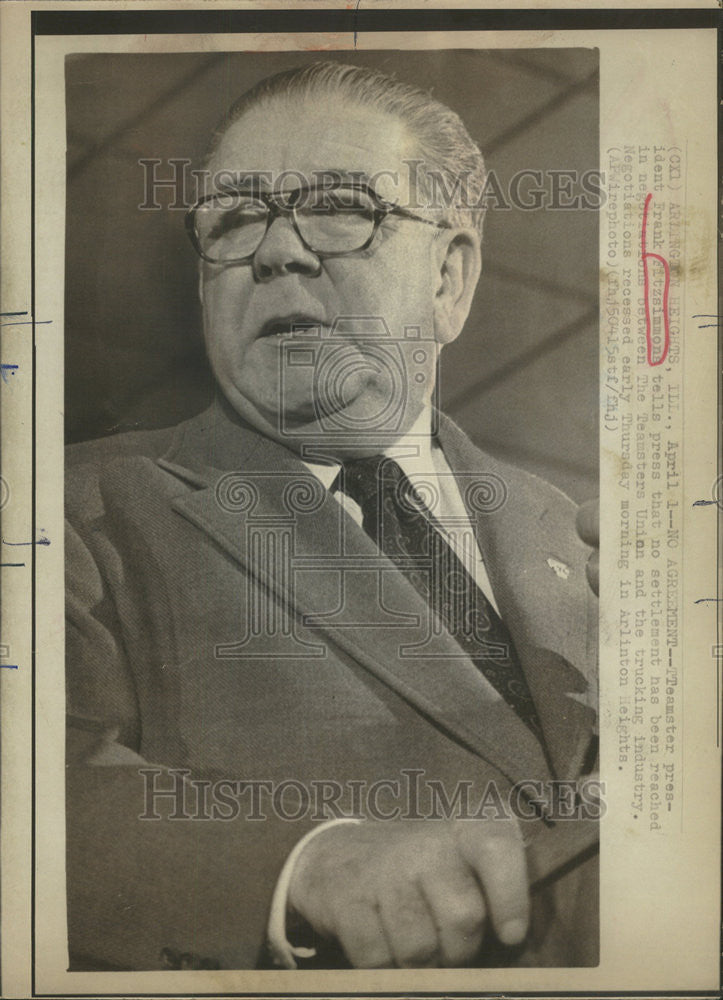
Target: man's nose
282,252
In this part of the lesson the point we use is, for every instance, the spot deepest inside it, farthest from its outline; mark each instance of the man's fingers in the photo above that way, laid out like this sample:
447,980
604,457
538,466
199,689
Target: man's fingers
409,927
419,898
361,935
588,523
458,910
496,853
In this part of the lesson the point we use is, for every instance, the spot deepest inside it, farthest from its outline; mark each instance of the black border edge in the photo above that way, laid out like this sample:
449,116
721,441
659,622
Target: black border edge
93,22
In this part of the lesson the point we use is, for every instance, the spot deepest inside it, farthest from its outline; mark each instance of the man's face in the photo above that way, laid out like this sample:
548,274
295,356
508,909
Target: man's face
349,386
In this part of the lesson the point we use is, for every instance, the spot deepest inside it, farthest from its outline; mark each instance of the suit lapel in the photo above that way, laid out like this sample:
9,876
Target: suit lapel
536,571
338,583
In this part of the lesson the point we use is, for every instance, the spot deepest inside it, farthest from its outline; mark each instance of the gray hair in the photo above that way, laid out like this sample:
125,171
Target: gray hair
450,174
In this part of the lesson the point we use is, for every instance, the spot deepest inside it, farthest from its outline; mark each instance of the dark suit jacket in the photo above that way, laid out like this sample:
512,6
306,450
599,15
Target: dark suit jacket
166,555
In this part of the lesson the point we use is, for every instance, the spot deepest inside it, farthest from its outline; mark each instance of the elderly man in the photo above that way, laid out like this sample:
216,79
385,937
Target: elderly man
321,584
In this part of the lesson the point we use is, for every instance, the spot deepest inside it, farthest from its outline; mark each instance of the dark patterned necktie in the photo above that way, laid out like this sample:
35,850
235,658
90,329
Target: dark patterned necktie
396,518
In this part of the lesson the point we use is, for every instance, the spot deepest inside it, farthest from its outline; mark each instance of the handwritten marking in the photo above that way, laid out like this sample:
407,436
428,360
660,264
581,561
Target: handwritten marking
708,600
7,370
12,564
646,255
14,313
27,322
5,651
41,541
707,326
703,503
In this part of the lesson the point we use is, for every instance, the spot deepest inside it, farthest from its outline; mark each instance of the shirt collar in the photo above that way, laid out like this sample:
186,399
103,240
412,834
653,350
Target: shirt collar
413,451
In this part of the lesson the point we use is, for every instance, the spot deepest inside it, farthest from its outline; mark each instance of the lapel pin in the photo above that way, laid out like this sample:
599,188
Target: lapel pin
560,569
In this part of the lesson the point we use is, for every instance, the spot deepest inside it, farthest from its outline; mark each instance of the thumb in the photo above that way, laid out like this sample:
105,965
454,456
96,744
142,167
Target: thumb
495,851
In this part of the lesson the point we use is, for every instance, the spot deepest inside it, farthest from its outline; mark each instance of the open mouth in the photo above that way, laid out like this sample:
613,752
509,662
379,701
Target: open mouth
288,326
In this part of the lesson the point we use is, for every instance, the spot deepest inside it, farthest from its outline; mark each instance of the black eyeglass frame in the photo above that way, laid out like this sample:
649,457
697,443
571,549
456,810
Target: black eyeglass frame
293,200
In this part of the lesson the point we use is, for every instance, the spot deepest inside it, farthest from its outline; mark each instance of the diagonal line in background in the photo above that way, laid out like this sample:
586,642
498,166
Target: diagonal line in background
167,96
514,452
522,360
554,104
495,269
530,66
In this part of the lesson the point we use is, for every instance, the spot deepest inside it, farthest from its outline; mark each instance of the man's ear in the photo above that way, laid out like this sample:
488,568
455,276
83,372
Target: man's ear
459,263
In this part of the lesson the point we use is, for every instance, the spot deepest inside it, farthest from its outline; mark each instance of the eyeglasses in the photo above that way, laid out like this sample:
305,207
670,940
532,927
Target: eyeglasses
228,228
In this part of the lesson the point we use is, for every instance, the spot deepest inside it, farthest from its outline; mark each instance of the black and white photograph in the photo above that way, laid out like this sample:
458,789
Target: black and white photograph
331,410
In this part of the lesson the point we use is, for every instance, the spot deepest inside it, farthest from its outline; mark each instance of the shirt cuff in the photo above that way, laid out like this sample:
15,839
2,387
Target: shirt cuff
282,951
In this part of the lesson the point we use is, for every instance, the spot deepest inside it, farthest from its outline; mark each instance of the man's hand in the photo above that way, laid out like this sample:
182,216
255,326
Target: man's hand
588,528
409,894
